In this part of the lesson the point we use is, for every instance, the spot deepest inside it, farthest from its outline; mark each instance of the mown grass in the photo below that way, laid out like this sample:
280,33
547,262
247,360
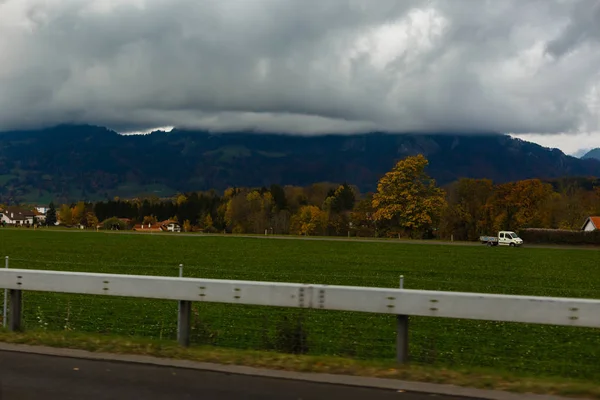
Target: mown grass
442,343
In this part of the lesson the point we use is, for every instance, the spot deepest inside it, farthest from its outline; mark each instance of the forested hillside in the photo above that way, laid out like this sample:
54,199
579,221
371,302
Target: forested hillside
70,163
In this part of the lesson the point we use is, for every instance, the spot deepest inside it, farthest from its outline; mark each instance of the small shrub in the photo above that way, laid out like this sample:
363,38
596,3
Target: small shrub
291,336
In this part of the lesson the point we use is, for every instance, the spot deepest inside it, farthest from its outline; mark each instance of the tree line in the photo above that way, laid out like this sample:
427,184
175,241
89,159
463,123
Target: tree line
407,203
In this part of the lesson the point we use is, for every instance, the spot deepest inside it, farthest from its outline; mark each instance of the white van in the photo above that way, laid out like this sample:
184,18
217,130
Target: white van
504,238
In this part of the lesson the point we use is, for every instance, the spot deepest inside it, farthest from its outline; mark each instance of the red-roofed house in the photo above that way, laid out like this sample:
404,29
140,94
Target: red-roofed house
591,224
164,226
148,227
171,226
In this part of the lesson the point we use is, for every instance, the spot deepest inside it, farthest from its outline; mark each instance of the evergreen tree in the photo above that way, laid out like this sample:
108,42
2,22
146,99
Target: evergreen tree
51,215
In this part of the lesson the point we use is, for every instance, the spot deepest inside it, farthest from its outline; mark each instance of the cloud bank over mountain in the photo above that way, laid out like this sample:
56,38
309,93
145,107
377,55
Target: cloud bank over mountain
302,67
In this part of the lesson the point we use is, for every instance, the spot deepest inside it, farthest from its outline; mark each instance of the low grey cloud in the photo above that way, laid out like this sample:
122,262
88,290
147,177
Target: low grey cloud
302,66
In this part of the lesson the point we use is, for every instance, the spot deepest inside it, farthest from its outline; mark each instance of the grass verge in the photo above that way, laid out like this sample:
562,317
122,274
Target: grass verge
475,378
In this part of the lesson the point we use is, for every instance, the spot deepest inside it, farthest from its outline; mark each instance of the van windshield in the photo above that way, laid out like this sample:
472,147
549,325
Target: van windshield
512,235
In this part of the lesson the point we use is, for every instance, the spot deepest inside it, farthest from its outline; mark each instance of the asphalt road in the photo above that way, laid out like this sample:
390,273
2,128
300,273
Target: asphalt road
30,376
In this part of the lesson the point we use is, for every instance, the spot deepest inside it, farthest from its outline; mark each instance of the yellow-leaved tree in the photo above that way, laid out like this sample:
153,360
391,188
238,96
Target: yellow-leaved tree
78,214
309,220
91,220
181,199
208,223
65,215
407,199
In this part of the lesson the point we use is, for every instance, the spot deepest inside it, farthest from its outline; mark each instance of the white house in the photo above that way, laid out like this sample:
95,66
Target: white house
171,226
17,216
591,224
41,209
164,226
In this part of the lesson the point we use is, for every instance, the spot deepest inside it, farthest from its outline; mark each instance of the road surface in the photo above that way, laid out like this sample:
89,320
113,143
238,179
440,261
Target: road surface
30,376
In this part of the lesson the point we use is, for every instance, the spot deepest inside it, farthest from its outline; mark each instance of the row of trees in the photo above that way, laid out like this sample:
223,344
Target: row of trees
407,203
477,205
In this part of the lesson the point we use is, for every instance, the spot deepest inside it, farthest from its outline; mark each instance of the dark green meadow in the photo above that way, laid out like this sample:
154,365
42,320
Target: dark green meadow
528,349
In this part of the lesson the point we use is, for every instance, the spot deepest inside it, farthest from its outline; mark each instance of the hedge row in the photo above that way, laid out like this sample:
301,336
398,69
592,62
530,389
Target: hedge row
560,236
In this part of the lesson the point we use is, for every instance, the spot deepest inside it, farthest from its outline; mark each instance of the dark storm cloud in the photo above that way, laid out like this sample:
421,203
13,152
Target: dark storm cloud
302,66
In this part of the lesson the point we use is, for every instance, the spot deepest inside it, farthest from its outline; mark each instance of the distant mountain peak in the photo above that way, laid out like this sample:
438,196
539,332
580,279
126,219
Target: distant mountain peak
592,154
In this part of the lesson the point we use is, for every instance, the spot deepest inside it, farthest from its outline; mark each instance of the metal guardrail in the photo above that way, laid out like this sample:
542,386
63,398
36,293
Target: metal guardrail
400,302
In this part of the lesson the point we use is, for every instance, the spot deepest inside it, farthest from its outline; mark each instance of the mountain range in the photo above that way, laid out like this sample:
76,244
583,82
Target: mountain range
84,162
592,154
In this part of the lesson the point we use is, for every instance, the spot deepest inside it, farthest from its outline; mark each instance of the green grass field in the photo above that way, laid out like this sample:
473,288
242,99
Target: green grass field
527,349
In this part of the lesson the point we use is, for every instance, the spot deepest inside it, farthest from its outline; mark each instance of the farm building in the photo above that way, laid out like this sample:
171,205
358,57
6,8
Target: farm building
591,224
18,216
114,224
164,226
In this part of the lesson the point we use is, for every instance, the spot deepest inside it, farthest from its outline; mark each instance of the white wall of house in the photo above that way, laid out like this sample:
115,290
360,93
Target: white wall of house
173,228
589,226
7,217
41,209
10,221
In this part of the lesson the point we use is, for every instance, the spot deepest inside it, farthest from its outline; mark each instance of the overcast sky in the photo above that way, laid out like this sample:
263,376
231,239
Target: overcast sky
306,66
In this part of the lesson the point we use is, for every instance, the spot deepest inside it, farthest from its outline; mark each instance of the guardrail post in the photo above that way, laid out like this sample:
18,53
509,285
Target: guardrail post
15,310
402,334
184,316
5,310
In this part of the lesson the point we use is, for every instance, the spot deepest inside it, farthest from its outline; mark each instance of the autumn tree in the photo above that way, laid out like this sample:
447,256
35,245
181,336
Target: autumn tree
295,198
575,200
208,222
551,212
309,220
572,209
65,215
78,213
236,213
520,204
337,208
530,195
149,219
260,208
181,199
281,221
468,214
250,211
595,201
408,199
91,220
361,218
318,192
